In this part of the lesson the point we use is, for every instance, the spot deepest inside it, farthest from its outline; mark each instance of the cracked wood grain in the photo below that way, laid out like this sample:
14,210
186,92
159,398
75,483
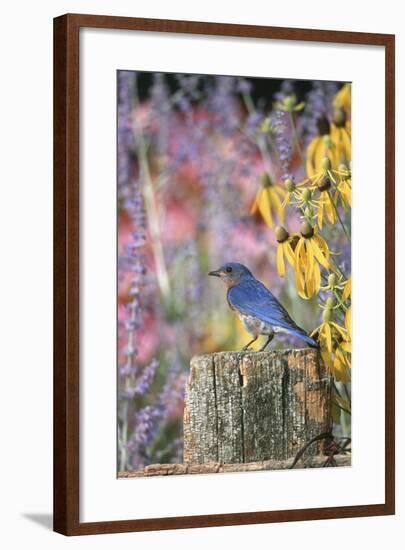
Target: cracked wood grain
245,407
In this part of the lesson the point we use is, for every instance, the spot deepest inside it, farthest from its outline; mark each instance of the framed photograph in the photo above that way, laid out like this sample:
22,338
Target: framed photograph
223,274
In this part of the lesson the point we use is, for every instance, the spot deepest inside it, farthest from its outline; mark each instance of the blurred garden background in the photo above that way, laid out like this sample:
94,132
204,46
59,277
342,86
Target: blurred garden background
214,169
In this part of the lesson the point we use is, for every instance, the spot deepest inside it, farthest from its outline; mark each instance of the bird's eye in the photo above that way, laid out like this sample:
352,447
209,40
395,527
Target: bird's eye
228,269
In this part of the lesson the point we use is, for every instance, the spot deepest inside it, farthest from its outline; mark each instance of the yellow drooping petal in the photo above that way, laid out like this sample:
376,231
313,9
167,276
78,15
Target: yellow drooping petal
341,367
299,282
310,282
346,346
320,211
299,255
276,202
268,203
318,252
348,322
288,251
280,260
327,334
317,277
345,191
342,143
347,291
262,203
310,260
339,329
298,266
330,209
343,99
307,272
313,147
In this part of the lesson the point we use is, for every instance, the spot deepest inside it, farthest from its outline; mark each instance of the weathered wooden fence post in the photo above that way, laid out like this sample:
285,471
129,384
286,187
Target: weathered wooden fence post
254,406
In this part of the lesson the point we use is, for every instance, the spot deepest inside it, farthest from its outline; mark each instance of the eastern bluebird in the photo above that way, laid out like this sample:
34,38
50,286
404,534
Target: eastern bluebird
258,309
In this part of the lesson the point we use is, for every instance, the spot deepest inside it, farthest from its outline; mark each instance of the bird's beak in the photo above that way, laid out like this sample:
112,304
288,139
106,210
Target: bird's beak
215,273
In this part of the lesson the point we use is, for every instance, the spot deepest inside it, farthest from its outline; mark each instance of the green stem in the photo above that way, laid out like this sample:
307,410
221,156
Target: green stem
338,268
347,392
336,389
341,304
124,438
343,409
339,218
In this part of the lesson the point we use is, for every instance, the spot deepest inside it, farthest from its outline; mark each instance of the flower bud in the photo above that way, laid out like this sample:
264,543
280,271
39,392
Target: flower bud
326,164
306,195
306,229
323,125
327,315
330,302
332,280
327,141
265,180
289,185
281,234
324,184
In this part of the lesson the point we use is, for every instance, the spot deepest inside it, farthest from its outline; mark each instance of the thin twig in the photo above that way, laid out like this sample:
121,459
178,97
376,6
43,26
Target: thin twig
339,218
320,437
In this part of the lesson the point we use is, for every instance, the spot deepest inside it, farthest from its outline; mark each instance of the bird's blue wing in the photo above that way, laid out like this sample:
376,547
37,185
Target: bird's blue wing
251,297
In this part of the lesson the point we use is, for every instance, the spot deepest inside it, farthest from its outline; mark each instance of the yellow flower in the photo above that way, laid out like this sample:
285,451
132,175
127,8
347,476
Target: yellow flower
284,249
347,344
342,362
320,147
330,336
326,205
329,332
268,201
347,292
343,100
293,195
311,252
333,142
306,202
321,181
341,135
345,185
341,366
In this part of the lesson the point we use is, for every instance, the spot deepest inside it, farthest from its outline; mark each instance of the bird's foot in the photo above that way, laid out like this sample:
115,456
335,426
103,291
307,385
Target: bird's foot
269,339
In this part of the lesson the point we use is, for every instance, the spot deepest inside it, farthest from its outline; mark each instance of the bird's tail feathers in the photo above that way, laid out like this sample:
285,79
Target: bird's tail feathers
304,336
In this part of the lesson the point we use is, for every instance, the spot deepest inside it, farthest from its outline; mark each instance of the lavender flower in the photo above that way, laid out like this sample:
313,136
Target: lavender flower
146,422
222,102
286,89
281,130
172,393
125,137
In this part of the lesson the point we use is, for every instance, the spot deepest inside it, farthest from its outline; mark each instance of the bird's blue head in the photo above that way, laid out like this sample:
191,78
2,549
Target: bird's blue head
231,273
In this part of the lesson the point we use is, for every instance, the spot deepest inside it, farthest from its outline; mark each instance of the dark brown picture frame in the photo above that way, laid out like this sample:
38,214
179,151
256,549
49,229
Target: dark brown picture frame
66,273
